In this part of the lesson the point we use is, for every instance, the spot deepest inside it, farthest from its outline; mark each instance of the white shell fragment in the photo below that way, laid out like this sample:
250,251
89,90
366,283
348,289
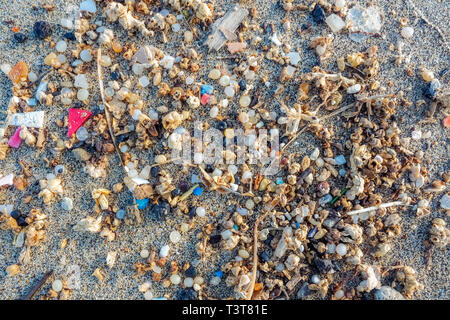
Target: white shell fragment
7,180
33,119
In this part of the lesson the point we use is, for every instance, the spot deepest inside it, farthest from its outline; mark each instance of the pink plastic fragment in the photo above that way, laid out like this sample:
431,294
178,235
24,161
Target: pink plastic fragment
15,140
205,98
76,119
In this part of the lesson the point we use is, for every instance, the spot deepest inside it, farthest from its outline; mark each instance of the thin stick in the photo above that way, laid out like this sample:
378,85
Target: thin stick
383,205
37,286
107,112
255,256
295,137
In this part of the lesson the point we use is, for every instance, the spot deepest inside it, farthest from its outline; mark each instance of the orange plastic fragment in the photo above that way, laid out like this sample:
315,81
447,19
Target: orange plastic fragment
258,286
15,29
446,122
19,72
117,47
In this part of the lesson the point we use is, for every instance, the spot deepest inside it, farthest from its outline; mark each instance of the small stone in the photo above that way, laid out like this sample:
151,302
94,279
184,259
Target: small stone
200,211
57,285
229,91
148,295
164,252
89,6
81,81
341,249
86,55
224,80
82,134
188,282
445,202
214,74
234,47
407,32
19,37
144,81
416,134
335,23
294,58
175,279
66,23
105,61
67,203
339,4
387,293
175,236
427,75
354,89
176,27
61,46
188,36
245,101
42,29
318,14
81,154
144,253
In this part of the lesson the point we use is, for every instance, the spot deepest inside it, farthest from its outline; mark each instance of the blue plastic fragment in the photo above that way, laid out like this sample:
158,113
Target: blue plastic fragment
142,203
32,102
195,178
340,160
206,88
219,273
120,214
235,227
342,172
198,191
279,181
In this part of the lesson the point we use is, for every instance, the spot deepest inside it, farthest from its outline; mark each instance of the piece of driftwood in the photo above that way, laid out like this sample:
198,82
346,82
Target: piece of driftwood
223,29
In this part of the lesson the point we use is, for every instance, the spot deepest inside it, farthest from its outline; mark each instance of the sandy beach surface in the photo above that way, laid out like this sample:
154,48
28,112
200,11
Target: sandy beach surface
88,251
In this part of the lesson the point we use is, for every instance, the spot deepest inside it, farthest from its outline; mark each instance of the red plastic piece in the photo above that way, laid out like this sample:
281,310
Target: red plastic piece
76,119
205,98
15,141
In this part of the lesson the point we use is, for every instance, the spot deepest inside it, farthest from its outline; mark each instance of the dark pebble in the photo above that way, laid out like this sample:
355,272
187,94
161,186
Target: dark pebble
284,139
115,75
21,222
42,29
221,125
154,171
186,294
190,272
176,192
242,85
209,168
323,265
318,14
20,37
160,210
124,137
191,212
264,257
70,36
15,214
184,186
215,239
